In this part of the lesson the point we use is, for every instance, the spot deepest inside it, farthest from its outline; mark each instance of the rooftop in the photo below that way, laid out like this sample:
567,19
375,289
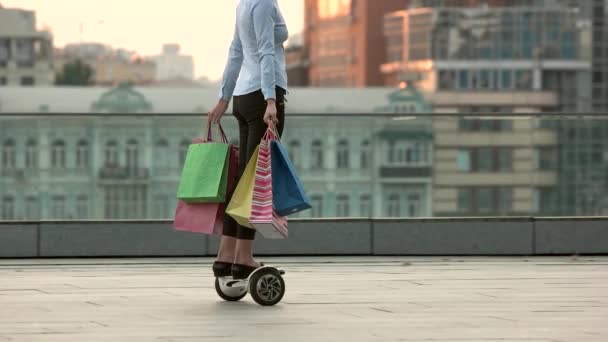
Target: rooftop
328,299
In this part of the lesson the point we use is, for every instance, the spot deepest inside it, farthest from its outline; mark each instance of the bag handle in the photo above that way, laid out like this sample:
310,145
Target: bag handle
209,131
272,134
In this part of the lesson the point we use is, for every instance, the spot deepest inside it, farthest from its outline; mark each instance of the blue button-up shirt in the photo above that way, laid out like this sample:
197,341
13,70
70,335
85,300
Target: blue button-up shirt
256,56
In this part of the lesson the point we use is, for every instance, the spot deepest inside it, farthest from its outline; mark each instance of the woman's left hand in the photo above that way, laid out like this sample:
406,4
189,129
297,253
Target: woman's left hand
270,117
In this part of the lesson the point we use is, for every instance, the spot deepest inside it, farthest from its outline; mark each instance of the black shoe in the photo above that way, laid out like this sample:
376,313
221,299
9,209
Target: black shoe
222,269
242,271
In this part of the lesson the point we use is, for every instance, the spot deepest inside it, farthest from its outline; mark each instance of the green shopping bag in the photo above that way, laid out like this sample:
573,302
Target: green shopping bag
205,173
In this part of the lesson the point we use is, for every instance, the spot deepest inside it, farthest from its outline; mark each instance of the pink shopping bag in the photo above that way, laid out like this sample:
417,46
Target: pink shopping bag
263,217
207,218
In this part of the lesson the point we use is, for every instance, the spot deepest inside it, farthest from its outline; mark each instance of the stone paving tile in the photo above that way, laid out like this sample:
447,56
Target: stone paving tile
328,299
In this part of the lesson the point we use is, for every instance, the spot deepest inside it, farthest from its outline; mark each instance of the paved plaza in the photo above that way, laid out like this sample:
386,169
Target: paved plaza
441,299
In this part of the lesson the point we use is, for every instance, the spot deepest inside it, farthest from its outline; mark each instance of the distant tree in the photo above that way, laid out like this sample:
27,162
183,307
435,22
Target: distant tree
75,73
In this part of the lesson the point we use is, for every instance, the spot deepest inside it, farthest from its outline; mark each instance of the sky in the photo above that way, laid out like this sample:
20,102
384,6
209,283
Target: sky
203,28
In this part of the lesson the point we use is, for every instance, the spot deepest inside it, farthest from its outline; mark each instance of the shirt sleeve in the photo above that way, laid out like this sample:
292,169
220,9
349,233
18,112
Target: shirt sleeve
233,67
264,23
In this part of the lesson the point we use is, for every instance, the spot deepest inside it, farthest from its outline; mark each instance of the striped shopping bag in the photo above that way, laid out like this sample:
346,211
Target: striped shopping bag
263,218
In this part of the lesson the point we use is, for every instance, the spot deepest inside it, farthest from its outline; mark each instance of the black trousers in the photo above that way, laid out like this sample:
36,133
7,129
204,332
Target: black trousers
249,110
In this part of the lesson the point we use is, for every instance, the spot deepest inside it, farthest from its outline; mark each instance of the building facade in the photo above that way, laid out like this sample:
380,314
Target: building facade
125,161
344,41
172,65
539,48
296,62
26,54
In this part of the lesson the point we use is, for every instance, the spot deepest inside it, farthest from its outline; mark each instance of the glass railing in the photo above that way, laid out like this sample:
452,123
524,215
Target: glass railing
98,166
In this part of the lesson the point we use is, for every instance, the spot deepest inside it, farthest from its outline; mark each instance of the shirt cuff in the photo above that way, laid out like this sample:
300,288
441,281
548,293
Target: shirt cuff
269,93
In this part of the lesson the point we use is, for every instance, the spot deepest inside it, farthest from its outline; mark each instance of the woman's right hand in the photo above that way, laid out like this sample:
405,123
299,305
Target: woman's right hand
270,117
215,115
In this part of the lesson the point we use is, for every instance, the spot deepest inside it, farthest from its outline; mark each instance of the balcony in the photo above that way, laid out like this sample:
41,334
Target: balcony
119,173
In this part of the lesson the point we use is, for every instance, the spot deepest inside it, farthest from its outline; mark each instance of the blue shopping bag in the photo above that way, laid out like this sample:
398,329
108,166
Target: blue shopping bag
287,190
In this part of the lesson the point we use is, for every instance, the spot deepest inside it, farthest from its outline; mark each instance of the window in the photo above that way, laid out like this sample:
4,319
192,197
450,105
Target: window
366,154
505,201
523,79
365,204
485,125
414,205
342,155
343,206
392,152
161,207
112,153
31,154
58,154
506,81
415,153
485,79
463,160
547,201
58,208
82,207
8,208
32,208
294,153
463,79
317,155
393,205
464,201
183,151
546,158
484,159
161,159
132,154
504,159
317,206
27,81
82,154
9,154
485,200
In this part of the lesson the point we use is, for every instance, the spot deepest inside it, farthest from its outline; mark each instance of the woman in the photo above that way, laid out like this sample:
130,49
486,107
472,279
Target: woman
255,75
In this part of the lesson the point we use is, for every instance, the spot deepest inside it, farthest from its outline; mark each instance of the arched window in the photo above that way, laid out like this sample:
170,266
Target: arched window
82,154
317,162
82,207
317,206
58,154
183,151
365,206
31,154
393,205
132,154
343,206
9,154
342,155
8,207
294,152
112,153
161,154
366,154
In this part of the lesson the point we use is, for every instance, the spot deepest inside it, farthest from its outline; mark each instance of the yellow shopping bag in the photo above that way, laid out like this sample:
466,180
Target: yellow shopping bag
240,204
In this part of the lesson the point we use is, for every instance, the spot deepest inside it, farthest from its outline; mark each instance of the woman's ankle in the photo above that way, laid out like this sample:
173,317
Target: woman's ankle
248,261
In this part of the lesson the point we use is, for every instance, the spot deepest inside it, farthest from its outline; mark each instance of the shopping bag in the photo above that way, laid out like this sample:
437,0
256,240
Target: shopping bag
207,218
240,204
205,172
263,218
288,193
275,228
204,218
